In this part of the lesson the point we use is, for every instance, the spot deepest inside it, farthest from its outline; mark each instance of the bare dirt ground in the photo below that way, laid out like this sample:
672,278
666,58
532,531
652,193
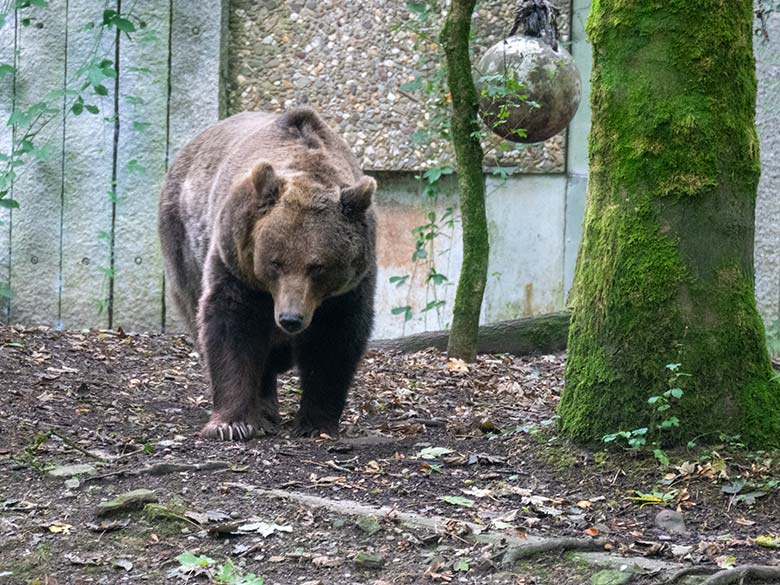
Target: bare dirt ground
474,444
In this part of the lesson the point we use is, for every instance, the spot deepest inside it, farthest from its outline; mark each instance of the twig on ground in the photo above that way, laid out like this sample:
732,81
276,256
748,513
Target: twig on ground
163,468
75,446
329,464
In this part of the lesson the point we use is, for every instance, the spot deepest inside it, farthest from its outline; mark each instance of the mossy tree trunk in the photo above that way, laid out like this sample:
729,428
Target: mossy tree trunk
665,268
464,129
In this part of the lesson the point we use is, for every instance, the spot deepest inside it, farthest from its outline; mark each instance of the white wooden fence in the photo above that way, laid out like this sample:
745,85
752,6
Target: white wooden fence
81,249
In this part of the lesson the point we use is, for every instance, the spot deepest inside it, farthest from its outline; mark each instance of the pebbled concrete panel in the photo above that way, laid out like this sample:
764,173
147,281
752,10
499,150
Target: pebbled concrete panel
88,150
7,49
141,160
767,249
36,230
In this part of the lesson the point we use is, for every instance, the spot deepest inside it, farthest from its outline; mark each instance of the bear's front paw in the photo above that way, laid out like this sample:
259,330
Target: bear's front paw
228,431
304,427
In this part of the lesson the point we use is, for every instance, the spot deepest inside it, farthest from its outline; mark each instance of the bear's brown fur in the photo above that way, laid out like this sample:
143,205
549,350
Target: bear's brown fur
268,236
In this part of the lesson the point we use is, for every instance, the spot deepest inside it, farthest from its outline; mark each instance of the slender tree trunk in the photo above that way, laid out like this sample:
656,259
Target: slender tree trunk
665,269
464,128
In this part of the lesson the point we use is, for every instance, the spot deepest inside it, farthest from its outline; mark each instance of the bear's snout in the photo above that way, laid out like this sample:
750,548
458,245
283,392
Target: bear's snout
291,322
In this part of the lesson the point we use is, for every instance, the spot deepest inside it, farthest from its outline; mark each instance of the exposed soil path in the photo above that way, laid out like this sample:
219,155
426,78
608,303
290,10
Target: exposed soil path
129,408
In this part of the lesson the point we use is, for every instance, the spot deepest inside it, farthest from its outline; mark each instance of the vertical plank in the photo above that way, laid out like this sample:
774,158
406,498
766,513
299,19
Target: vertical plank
88,141
35,238
141,157
767,243
197,53
7,51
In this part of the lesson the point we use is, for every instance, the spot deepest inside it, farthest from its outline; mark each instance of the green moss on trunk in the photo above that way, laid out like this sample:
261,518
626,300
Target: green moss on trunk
665,269
464,127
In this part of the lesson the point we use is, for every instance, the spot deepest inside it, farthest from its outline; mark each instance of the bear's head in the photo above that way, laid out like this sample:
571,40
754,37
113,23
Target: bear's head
299,240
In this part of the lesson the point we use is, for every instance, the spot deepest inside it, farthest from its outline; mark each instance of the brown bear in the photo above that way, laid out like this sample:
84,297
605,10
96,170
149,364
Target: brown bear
268,235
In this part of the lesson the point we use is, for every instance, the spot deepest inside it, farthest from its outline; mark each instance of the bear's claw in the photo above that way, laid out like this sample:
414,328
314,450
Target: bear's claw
303,428
235,431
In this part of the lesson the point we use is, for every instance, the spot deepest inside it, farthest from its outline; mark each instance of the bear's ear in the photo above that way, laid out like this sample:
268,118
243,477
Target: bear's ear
357,198
266,183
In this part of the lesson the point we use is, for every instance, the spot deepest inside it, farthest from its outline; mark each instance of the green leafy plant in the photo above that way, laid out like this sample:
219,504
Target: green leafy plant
661,419
191,564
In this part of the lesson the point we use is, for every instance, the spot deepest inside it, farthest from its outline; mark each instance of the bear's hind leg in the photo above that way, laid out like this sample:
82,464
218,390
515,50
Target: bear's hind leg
328,354
279,360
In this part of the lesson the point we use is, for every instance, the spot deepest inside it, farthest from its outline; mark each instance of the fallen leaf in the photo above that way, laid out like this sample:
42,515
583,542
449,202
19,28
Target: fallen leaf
768,541
592,531
744,522
433,452
458,501
59,528
457,365
123,564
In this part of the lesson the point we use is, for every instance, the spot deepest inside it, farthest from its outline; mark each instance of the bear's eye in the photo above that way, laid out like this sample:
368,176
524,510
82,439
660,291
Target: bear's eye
276,265
315,269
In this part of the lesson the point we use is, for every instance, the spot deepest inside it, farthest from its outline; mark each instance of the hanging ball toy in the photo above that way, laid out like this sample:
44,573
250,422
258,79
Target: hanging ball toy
529,86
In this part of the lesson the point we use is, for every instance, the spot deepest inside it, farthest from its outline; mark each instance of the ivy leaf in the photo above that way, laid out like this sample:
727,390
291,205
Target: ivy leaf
9,204
189,560
399,280
133,166
5,68
411,86
18,118
124,25
406,311
461,566
92,109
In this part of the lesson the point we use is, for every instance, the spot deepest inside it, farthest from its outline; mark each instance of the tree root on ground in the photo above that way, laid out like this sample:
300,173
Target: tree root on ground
718,576
513,548
558,545
739,574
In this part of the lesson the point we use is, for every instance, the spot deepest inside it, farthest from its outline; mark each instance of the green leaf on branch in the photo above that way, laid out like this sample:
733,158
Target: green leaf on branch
406,311
9,203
